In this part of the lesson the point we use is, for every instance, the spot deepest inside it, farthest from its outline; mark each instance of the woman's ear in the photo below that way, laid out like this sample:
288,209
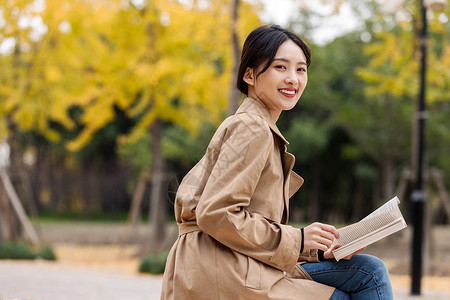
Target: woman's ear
249,77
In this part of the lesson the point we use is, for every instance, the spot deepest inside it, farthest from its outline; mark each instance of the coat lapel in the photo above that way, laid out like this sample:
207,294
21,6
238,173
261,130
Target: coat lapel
292,181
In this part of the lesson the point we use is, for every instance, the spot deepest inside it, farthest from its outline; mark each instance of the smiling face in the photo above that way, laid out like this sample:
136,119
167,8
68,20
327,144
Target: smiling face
282,84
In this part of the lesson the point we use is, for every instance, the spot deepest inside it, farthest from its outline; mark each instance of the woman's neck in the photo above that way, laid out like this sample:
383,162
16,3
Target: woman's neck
274,114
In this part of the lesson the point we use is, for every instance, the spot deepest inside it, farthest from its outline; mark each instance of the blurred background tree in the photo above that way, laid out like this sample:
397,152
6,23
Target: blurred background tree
94,93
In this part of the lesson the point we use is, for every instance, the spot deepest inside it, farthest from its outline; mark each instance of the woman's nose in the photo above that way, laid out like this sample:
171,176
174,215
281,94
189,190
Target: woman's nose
290,78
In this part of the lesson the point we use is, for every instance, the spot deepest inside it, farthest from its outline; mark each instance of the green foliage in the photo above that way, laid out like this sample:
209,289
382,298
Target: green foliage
154,263
182,148
437,135
135,153
12,250
17,250
46,252
365,171
308,137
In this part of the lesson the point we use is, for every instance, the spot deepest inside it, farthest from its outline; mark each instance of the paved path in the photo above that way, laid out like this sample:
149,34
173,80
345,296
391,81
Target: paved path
37,280
44,281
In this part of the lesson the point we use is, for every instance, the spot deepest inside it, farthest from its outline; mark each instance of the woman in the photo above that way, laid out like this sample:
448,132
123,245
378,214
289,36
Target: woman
232,207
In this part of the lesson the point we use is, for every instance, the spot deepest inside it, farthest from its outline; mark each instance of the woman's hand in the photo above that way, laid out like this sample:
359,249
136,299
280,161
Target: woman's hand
329,253
319,236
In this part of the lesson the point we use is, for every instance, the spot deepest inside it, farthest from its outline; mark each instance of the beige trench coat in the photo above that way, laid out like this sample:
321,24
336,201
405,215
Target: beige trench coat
232,210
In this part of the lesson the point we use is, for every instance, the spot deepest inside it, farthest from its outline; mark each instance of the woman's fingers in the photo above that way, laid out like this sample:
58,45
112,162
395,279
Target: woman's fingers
319,236
325,241
331,230
327,235
329,253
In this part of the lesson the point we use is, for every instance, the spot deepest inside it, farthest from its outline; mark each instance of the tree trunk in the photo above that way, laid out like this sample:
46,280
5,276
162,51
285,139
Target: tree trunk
15,166
234,93
18,209
4,227
30,200
157,214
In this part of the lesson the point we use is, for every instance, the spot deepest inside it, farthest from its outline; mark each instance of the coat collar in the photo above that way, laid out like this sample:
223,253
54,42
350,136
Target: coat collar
254,106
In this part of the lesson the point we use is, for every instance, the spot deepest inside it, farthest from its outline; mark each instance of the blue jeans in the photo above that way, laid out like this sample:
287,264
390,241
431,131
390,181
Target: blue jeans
361,277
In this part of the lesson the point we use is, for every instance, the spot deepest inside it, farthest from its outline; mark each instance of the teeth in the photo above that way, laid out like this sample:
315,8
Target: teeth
288,92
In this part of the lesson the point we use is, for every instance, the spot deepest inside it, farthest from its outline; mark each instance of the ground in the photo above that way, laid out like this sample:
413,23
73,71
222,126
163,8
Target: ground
114,248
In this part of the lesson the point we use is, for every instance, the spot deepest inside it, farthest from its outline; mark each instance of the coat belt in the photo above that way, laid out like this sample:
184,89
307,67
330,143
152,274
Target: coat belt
187,227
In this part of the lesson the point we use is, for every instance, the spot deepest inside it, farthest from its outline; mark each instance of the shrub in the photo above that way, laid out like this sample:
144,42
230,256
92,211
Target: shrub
13,250
18,250
46,252
154,263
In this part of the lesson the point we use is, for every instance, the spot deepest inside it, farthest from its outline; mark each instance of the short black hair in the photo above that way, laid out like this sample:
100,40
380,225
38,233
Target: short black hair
261,46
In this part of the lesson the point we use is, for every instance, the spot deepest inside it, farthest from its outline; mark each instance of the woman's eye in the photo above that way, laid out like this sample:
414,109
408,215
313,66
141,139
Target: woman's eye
301,69
280,67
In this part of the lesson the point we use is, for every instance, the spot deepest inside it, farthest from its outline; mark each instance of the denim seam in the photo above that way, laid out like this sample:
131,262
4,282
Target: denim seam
352,269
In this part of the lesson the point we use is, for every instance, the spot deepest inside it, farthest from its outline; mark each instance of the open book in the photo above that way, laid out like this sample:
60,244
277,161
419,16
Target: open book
384,221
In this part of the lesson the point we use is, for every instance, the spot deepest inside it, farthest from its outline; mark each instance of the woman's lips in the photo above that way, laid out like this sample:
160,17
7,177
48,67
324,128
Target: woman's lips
290,93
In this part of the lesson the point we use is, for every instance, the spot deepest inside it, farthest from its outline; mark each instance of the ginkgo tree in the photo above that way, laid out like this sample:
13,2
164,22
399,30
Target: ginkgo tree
30,79
162,62
157,61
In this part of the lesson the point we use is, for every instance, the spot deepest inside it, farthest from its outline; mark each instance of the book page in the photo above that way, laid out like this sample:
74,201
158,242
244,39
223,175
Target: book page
355,231
384,221
368,239
390,205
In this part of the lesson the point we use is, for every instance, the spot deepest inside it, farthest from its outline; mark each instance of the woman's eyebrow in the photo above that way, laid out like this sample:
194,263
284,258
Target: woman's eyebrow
286,60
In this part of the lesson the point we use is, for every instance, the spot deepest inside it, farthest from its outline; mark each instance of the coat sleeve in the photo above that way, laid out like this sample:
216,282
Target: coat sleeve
221,212
309,256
